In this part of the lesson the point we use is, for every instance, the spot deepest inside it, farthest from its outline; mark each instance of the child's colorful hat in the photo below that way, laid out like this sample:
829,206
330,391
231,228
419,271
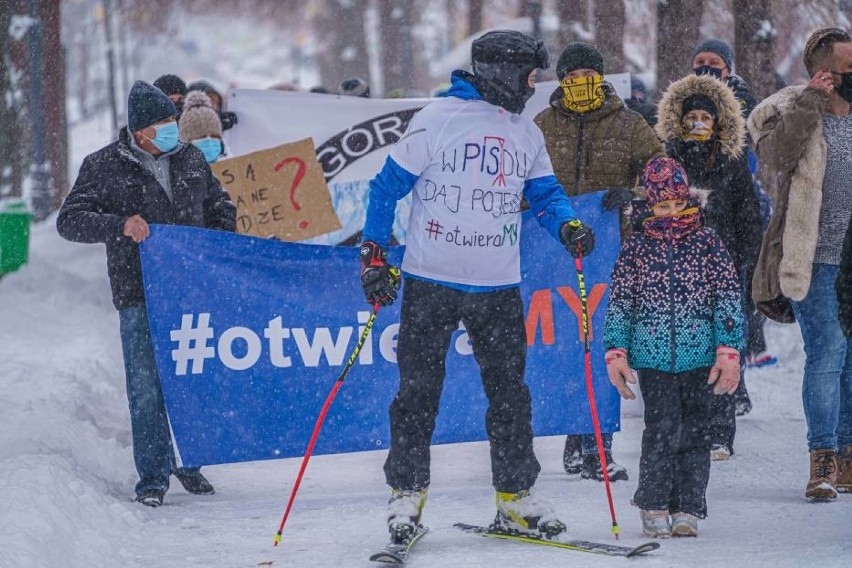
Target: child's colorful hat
664,179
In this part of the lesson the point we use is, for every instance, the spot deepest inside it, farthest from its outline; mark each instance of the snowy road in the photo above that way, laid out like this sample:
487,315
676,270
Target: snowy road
66,470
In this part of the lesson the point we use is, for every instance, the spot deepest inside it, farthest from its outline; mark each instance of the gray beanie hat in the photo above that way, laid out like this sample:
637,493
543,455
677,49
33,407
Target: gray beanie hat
198,119
720,48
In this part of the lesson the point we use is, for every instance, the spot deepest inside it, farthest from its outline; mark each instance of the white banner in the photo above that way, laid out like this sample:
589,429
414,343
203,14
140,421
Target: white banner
352,136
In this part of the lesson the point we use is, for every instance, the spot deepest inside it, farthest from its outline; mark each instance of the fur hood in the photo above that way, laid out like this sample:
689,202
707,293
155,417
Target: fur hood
770,108
729,129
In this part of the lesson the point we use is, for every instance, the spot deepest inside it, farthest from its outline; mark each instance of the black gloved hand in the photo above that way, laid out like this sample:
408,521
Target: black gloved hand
617,197
228,119
578,238
379,279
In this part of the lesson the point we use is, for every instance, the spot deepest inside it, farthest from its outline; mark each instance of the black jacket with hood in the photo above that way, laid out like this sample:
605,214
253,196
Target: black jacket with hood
717,165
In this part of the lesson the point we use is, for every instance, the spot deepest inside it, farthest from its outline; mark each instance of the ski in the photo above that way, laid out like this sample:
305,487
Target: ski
578,545
397,552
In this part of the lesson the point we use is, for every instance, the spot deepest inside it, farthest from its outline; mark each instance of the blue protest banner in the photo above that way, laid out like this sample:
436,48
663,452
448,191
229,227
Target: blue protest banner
250,335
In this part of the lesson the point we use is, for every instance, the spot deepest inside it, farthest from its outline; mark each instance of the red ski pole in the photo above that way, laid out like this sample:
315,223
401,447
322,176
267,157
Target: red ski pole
321,418
590,389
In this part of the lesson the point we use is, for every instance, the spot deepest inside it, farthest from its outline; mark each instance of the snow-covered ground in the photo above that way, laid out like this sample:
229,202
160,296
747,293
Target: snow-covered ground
67,476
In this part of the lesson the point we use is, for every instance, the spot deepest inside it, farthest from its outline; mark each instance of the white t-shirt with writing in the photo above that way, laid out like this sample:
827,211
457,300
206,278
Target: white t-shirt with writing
472,159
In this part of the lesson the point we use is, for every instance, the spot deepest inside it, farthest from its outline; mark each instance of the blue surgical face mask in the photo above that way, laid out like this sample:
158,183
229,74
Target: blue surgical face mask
708,70
211,147
167,136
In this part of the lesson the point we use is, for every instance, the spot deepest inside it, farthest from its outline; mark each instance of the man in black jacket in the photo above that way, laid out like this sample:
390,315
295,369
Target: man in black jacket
147,176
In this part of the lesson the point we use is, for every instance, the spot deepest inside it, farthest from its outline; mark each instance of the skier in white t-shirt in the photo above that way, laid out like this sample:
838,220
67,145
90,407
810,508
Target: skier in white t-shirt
470,159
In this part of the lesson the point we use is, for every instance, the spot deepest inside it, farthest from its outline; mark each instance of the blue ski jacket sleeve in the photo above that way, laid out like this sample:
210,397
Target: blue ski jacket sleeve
390,185
549,203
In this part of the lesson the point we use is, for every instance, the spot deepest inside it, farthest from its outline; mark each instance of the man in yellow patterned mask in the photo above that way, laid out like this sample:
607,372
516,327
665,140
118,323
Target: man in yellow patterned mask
582,90
595,143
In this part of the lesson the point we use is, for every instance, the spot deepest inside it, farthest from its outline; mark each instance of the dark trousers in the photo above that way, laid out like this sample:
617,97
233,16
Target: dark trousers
149,424
675,465
495,324
723,417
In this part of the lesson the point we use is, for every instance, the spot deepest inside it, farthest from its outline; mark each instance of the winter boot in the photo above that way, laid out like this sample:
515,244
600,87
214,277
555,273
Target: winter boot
526,513
151,497
684,524
844,476
655,523
822,485
592,468
405,508
572,460
719,452
194,482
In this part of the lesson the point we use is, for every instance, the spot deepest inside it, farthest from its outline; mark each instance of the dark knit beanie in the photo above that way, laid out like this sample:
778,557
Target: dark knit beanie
699,102
171,85
579,55
147,105
720,48
664,179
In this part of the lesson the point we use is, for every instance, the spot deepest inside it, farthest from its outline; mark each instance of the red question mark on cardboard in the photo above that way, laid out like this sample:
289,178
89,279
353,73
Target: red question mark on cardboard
300,173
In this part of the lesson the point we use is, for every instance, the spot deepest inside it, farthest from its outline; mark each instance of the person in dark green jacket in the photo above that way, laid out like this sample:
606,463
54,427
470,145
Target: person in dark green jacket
595,143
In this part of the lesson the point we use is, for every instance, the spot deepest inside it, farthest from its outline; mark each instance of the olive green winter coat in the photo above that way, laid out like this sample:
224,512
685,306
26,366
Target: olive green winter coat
600,149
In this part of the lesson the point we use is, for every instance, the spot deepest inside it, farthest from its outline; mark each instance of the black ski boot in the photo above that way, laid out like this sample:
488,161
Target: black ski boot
572,461
592,469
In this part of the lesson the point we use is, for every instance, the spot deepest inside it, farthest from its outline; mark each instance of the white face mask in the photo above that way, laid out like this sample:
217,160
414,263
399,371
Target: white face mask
698,131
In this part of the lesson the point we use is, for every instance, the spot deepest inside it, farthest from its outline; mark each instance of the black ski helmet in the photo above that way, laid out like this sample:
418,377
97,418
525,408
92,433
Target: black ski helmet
502,61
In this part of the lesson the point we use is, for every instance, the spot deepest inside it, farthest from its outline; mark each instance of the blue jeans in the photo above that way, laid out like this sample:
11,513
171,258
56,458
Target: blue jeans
589,446
827,384
152,444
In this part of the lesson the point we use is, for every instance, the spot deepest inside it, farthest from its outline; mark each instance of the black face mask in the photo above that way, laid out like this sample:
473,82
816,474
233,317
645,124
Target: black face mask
845,87
708,70
504,84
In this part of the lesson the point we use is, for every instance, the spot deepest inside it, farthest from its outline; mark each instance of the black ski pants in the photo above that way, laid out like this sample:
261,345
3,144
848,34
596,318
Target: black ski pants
674,468
495,325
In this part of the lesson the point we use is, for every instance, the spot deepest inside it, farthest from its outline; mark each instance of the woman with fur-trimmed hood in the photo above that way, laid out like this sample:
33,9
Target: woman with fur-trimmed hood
701,124
702,127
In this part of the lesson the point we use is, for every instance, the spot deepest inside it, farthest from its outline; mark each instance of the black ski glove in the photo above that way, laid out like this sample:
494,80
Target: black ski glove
379,279
617,197
228,119
578,238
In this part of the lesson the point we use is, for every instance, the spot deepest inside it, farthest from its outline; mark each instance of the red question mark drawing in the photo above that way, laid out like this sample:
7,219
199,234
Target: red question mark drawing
300,173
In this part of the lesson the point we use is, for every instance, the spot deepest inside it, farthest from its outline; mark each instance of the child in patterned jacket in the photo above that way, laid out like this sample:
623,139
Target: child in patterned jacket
675,316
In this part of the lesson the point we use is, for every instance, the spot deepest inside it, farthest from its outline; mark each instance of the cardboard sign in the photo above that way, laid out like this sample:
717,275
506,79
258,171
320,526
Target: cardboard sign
280,192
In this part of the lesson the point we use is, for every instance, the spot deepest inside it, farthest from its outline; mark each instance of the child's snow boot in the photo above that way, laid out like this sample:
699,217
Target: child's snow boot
684,524
719,452
655,523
